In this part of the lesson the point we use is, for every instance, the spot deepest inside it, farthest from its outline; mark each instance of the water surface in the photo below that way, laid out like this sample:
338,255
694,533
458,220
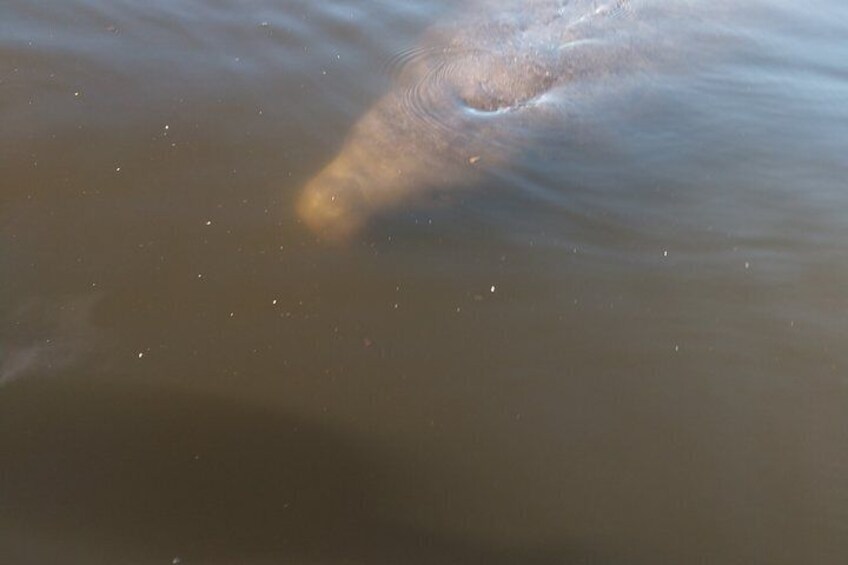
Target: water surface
627,345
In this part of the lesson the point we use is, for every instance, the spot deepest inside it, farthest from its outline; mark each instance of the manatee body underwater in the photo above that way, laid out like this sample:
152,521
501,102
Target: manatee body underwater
471,94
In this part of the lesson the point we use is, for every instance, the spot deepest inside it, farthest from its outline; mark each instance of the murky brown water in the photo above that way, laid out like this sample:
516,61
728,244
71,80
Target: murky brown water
625,342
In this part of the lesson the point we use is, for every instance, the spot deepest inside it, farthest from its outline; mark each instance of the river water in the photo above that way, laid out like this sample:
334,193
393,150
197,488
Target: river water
627,346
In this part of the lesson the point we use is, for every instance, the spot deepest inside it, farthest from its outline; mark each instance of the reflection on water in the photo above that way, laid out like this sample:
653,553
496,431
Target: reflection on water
622,343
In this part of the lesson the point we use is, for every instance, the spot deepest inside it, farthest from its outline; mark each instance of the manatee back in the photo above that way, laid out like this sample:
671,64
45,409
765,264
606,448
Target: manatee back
503,62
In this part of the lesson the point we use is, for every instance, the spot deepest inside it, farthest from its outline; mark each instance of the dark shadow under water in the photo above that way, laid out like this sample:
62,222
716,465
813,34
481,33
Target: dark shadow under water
146,475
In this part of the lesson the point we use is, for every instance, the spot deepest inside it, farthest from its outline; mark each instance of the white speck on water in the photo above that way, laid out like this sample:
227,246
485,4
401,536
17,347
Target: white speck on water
76,93
492,289
208,222
176,561
665,253
676,348
747,265
232,314
117,169
140,354
200,275
274,302
167,126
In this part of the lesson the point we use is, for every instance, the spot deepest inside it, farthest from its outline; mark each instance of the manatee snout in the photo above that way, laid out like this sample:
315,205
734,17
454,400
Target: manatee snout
332,204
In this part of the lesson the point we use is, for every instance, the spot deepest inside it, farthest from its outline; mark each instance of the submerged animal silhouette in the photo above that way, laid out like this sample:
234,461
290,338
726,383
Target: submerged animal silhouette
470,95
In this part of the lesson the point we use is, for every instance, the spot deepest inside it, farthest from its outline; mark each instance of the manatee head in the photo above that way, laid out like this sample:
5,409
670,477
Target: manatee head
376,170
392,159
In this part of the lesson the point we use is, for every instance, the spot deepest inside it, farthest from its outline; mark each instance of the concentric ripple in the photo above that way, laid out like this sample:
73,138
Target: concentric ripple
425,91
445,87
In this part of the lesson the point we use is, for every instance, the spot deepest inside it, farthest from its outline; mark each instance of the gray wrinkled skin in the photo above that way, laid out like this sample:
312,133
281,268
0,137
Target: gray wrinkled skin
466,98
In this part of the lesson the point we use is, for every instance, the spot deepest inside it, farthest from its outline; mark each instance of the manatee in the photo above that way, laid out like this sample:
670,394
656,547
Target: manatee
470,95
